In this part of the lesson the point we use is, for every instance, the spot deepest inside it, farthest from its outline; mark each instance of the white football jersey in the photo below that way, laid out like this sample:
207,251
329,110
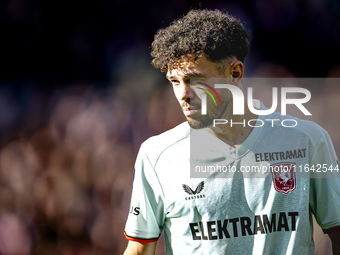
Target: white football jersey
258,198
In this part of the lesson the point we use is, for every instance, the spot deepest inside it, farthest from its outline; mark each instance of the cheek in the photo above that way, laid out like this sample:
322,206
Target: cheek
199,93
225,98
176,92
224,95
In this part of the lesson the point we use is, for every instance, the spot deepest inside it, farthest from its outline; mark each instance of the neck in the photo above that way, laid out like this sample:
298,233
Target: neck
231,133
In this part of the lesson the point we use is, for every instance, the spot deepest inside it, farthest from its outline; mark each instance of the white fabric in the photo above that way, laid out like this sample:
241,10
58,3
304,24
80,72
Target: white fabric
239,213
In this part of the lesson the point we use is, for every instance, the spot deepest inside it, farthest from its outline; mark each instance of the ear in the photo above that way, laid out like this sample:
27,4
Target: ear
236,71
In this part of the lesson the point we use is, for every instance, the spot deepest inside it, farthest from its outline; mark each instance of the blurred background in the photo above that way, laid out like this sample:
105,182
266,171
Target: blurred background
78,96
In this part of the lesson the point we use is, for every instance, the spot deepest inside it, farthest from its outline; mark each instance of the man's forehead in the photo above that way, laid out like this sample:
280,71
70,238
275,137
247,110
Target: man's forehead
183,71
185,66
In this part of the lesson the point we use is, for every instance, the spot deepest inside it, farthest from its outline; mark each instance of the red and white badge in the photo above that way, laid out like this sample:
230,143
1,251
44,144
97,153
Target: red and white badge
283,177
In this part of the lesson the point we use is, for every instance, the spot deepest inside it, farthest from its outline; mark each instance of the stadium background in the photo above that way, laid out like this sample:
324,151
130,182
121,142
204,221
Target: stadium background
78,96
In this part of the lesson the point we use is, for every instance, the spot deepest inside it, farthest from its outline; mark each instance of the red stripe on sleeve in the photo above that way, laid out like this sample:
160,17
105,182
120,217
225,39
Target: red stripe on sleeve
140,240
331,230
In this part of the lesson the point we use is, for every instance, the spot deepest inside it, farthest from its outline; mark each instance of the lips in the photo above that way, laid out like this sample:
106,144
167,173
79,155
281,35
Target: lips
189,111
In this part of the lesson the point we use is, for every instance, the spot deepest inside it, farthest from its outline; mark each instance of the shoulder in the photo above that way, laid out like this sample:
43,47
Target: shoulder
304,128
172,136
156,145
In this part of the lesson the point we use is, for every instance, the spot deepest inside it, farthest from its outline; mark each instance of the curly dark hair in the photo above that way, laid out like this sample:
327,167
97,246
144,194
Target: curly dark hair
217,34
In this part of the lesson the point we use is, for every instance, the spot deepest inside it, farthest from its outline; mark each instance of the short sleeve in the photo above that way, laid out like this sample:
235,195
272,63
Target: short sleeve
325,192
146,214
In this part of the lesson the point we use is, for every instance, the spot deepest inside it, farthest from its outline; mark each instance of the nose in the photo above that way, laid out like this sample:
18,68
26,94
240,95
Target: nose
185,92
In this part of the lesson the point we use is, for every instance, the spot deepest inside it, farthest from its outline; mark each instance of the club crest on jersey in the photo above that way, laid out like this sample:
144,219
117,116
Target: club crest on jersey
194,193
283,177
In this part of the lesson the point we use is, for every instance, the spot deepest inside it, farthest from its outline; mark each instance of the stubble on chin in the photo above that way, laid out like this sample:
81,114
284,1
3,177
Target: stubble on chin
200,124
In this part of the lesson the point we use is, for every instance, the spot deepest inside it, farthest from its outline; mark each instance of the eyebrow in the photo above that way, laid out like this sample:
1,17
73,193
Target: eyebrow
189,75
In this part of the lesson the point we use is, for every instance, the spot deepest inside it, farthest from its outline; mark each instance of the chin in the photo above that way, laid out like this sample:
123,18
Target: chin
199,124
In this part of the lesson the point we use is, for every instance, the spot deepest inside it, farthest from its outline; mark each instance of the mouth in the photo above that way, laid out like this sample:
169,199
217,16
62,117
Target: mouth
189,111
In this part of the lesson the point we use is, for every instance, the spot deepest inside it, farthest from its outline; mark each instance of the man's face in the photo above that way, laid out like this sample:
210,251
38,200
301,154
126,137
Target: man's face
187,80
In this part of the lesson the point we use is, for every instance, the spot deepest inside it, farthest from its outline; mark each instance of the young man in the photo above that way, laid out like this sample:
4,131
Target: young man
226,213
